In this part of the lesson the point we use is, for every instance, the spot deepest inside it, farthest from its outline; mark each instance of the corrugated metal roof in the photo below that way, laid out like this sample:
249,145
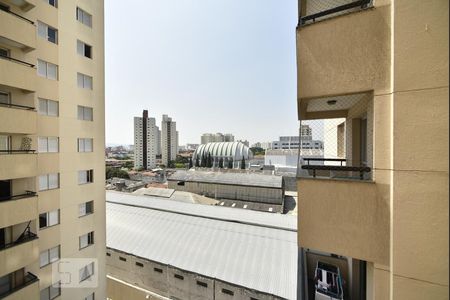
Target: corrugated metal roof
247,179
286,222
256,257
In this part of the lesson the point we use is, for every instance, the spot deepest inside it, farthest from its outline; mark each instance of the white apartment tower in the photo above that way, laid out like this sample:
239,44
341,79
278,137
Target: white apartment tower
169,140
146,141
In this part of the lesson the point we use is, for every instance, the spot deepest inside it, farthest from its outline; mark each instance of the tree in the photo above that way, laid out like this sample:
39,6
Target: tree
190,163
115,172
221,163
243,163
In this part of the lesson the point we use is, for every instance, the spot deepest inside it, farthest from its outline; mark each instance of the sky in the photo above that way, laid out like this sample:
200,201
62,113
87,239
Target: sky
212,65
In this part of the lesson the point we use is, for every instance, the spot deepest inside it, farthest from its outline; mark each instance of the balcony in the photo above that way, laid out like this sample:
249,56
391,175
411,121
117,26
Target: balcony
17,74
318,10
18,164
18,247
17,119
342,210
17,31
24,5
28,289
346,51
18,209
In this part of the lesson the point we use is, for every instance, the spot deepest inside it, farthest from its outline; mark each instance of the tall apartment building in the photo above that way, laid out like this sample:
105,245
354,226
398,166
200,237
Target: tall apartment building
52,171
147,142
381,215
216,138
169,140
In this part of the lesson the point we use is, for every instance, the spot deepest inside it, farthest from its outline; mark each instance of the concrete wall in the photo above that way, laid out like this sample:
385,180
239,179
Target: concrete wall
233,192
172,282
399,51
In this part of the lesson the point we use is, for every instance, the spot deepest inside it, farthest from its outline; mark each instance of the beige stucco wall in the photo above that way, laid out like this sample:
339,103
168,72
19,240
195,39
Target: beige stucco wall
26,87
398,50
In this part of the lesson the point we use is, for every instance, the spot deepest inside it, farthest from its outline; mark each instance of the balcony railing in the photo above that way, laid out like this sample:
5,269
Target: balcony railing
330,9
18,16
28,194
10,151
336,168
10,105
29,278
17,61
27,236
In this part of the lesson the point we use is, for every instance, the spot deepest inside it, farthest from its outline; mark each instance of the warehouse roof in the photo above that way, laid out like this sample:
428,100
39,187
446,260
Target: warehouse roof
286,222
256,257
232,178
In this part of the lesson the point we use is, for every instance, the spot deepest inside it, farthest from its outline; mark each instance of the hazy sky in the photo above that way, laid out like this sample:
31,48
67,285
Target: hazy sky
212,65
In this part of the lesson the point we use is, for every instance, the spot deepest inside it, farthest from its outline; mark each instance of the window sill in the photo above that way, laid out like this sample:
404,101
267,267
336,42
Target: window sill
79,217
46,227
79,249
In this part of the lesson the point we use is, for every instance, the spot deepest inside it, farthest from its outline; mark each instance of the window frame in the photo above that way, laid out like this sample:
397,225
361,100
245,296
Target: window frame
86,211
89,176
81,147
48,182
47,29
47,64
47,111
49,260
83,16
84,81
84,109
47,143
47,219
90,240
83,45
91,267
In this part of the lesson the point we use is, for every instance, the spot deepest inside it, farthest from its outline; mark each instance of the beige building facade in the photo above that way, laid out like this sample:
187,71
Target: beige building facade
381,67
52,201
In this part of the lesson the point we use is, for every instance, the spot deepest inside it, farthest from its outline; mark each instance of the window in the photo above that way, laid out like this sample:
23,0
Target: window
86,208
84,81
84,49
47,32
87,271
5,98
157,270
85,176
139,264
84,17
47,70
52,2
49,219
228,292
178,277
86,240
85,113
85,145
51,292
90,297
201,283
48,181
122,258
108,254
48,144
49,256
48,107
4,52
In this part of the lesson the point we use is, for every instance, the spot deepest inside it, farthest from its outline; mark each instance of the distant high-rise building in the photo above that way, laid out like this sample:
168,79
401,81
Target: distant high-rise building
216,138
146,141
169,140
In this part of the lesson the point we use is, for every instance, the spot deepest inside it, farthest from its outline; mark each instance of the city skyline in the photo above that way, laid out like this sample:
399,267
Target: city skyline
246,70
